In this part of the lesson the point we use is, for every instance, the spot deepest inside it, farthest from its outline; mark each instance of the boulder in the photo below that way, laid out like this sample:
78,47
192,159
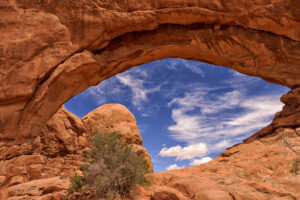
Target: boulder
114,117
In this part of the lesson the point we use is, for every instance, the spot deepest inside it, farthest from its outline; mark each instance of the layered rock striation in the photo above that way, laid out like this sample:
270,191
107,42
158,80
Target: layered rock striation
41,168
53,50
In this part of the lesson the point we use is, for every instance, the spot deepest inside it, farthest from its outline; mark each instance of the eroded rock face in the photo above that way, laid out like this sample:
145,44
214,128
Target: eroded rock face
256,170
259,168
41,168
53,50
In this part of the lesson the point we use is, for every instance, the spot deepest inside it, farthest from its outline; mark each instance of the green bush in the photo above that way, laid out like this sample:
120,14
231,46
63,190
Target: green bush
77,183
111,168
295,166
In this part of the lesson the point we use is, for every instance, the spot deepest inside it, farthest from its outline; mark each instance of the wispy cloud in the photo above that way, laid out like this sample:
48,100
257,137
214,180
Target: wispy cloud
104,91
200,161
129,86
138,90
176,63
140,82
174,166
220,119
192,65
184,153
210,109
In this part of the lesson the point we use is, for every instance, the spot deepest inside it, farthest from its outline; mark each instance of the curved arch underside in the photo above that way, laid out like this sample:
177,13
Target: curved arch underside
53,50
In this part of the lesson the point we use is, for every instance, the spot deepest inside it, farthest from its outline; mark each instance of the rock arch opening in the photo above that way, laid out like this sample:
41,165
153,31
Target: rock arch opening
52,50
254,52
187,111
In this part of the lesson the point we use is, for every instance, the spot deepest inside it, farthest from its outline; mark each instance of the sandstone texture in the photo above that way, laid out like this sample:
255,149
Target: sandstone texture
51,50
259,168
114,117
41,168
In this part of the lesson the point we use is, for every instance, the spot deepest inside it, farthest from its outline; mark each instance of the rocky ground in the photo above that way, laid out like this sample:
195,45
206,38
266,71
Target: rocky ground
41,168
51,50
260,168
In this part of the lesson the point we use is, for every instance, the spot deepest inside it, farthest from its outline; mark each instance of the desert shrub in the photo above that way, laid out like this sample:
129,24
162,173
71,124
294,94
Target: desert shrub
111,168
295,166
76,184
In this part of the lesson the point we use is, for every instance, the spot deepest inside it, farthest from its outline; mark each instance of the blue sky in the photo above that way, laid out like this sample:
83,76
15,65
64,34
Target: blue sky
187,111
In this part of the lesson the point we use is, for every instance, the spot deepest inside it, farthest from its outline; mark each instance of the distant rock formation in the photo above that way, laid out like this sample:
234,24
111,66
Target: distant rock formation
40,169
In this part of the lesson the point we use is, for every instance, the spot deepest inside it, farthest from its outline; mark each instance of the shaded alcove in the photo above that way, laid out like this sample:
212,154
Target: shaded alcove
222,101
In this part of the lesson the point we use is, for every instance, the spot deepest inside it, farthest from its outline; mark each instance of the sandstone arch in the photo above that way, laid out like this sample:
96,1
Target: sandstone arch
53,50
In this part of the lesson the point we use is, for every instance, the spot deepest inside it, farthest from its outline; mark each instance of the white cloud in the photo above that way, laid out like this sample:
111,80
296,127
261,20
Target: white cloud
259,108
171,167
103,91
200,161
136,85
184,153
220,119
218,115
221,145
117,88
178,63
193,66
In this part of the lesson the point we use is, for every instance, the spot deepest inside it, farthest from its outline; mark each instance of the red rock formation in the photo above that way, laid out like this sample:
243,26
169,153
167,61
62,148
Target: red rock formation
259,168
289,116
53,50
114,117
41,168
256,170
